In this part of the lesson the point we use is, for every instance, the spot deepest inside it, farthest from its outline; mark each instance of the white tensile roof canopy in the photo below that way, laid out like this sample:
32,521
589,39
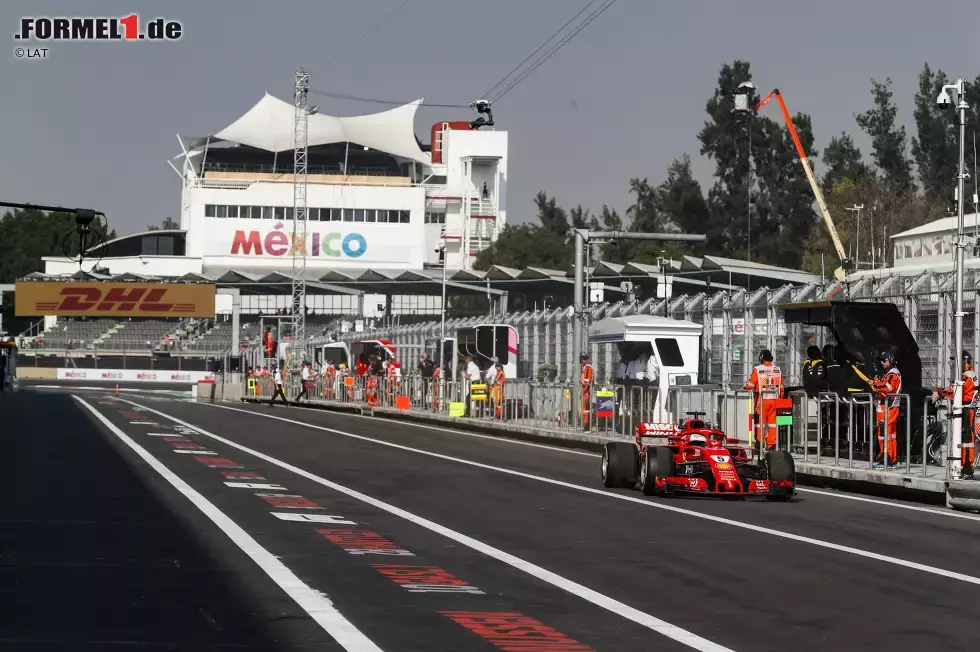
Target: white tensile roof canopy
269,125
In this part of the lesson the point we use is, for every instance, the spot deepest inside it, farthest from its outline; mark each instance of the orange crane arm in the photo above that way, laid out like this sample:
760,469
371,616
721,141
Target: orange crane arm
839,273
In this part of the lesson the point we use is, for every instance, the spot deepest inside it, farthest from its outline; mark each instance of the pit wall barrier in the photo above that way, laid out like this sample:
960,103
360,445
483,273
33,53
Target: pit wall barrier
833,439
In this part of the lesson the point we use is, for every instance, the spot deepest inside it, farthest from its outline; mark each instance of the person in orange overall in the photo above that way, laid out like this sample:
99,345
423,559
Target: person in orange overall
436,377
886,410
348,389
269,340
360,367
766,383
330,381
393,373
497,391
969,413
585,382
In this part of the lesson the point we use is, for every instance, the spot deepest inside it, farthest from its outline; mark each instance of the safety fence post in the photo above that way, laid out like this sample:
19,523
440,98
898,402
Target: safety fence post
823,398
806,425
925,432
908,432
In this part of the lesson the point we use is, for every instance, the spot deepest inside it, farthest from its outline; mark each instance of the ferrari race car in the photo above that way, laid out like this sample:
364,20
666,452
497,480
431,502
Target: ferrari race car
695,458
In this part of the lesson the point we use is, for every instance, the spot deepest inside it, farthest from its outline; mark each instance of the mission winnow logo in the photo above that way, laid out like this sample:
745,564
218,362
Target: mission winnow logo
277,243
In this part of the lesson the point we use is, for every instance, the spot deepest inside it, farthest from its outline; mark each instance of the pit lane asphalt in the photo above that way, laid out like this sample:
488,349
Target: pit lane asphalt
743,589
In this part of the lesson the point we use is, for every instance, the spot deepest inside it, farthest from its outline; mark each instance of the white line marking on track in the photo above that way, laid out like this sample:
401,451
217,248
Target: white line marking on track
927,510
506,440
184,451
601,492
317,605
500,438
630,613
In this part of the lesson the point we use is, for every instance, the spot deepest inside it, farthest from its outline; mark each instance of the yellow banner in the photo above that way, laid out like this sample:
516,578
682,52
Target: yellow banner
93,299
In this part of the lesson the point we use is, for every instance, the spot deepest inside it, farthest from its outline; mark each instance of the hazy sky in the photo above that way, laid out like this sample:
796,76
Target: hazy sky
93,124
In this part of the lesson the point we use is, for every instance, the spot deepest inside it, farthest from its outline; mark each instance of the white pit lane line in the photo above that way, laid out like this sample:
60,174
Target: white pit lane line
311,601
904,563
503,439
659,626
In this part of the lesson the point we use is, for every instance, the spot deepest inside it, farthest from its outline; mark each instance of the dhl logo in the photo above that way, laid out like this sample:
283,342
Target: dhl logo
80,299
139,299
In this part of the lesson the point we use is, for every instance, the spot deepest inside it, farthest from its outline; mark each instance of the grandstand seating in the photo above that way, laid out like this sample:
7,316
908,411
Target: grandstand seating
76,333
141,334
186,335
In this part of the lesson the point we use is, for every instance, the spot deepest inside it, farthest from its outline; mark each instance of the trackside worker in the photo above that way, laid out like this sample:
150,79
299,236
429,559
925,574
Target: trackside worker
278,390
812,366
497,390
585,382
436,377
886,409
969,413
766,383
304,376
473,375
270,342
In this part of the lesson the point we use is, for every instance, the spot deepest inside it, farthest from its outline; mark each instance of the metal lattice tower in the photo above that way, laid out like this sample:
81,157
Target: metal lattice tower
300,146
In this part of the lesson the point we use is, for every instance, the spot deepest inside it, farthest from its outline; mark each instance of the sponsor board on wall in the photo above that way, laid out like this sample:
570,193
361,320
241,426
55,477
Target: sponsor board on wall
135,375
93,299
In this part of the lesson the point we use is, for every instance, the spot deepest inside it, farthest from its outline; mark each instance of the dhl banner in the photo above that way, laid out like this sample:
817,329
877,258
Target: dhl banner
88,299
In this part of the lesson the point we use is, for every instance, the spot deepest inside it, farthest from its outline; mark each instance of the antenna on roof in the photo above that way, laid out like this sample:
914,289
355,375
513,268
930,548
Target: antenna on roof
482,106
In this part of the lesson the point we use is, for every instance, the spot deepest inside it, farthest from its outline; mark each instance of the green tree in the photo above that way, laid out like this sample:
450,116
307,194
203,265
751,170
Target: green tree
843,161
888,138
28,235
525,245
784,213
580,217
725,140
682,201
168,223
551,216
935,147
885,213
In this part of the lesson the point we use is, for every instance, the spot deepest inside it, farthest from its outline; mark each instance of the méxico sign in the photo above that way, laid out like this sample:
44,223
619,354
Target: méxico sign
278,243
92,299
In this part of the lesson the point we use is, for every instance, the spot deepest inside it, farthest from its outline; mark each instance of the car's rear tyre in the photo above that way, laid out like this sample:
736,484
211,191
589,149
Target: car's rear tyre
620,461
781,467
658,462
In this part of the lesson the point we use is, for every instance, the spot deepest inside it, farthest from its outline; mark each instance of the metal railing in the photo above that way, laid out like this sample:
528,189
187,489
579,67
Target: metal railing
828,429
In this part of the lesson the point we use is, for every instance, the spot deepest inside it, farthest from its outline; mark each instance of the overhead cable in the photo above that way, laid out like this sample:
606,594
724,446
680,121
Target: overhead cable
355,98
595,14
364,34
540,47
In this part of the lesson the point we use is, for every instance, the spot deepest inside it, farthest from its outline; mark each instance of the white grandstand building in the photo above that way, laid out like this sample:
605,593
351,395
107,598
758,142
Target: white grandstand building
378,198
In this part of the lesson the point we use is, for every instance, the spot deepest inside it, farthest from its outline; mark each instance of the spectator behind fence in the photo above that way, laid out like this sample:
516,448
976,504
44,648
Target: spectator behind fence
473,375
425,369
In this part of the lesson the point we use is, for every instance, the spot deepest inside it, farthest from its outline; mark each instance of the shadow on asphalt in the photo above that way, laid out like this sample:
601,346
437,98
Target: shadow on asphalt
92,556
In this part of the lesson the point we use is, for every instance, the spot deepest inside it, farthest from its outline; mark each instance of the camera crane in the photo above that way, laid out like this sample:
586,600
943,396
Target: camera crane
742,105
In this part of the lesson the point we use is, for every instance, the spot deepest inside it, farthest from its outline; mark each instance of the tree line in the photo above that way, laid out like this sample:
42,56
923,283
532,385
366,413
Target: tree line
760,193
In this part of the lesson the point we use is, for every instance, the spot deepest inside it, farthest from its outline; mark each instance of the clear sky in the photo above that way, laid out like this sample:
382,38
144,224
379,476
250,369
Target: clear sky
93,124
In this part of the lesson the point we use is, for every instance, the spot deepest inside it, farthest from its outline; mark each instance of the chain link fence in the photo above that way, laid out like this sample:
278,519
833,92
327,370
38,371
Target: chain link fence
738,324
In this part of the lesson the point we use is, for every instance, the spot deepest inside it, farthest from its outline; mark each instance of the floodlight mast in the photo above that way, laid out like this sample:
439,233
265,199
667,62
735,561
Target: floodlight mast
300,214
741,104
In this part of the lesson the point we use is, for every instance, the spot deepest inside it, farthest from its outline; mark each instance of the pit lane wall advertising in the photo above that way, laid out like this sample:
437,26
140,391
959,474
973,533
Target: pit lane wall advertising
93,299
135,376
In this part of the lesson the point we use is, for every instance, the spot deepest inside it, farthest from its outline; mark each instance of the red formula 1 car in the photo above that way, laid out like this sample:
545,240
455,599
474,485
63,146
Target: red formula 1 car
695,458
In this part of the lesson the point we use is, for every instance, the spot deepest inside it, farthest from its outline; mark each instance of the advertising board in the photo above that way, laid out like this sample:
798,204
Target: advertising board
135,375
93,299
